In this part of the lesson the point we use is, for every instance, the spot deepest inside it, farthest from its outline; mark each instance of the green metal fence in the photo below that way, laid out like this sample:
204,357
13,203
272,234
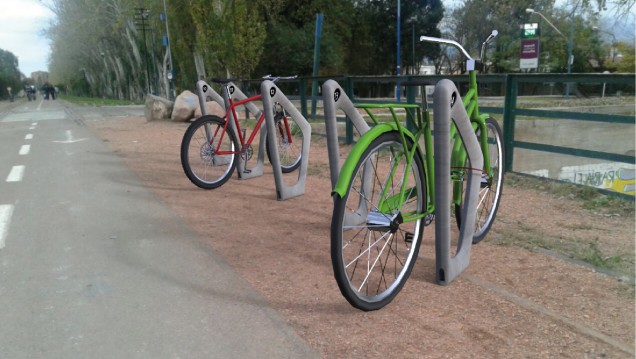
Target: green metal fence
514,98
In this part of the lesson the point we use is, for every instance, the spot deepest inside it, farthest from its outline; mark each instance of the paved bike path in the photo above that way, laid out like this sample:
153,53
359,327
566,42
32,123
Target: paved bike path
96,266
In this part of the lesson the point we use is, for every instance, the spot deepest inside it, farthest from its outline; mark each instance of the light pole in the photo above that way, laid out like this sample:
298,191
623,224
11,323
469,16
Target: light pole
397,89
170,73
413,19
570,41
613,46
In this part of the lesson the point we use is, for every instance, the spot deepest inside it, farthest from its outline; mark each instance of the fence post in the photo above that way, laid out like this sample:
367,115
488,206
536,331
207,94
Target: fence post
302,83
410,99
510,107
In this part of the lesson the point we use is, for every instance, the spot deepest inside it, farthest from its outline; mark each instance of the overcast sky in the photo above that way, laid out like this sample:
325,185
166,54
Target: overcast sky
21,26
22,23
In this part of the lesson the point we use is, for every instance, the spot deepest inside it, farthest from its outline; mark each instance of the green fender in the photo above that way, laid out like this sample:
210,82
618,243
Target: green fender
346,172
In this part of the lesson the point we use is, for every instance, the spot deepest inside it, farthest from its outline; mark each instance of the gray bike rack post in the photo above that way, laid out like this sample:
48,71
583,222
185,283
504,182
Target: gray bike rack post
203,92
448,106
272,94
236,94
334,98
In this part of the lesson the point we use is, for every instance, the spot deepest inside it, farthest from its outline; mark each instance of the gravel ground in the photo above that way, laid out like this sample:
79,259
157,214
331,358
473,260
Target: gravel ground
510,303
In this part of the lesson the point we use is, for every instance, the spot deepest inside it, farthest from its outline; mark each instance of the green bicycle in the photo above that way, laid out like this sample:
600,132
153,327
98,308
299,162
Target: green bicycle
384,195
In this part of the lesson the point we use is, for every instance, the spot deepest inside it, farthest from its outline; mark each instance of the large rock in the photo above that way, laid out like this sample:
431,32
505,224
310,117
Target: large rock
184,106
212,108
157,108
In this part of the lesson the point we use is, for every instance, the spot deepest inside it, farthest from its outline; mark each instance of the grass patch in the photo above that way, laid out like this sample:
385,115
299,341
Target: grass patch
318,170
575,246
590,198
587,251
94,101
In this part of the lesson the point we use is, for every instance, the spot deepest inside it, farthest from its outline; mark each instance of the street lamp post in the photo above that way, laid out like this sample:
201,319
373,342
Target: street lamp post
613,46
397,89
570,41
170,73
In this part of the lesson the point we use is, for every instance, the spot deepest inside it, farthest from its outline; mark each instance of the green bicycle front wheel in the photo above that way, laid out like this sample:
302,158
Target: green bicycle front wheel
491,185
374,244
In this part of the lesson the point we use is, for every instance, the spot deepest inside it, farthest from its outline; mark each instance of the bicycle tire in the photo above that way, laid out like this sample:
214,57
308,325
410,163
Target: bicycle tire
289,152
201,165
351,228
491,188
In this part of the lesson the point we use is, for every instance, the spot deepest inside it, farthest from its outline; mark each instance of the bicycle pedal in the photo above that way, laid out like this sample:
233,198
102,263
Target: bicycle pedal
408,237
247,171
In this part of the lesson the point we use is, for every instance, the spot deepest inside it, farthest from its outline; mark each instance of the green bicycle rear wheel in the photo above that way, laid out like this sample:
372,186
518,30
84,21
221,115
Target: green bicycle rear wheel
491,186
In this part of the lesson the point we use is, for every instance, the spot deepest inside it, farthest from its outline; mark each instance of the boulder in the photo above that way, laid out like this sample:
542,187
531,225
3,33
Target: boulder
184,106
157,108
212,108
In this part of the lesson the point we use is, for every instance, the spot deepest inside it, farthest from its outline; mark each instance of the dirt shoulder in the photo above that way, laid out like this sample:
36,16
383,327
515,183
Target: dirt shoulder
512,302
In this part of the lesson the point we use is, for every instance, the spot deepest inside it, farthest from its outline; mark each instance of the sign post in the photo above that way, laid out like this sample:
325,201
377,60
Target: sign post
529,55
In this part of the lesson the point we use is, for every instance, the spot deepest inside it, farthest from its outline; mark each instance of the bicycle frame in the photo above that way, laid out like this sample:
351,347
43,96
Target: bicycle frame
423,128
245,144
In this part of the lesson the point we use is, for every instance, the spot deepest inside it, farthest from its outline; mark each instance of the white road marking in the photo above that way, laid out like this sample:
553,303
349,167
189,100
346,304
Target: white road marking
69,138
6,211
29,136
24,150
34,124
16,174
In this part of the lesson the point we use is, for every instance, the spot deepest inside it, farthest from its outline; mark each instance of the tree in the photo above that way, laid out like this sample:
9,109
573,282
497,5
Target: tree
506,16
473,21
10,75
289,45
372,47
626,61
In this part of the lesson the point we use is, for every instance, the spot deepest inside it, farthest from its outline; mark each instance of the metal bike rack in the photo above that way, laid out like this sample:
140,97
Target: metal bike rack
448,107
271,93
205,91
334,98
236,94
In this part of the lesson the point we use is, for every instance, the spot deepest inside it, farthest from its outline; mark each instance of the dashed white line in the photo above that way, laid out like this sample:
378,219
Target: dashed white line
6,211
16,174
29,136
24,150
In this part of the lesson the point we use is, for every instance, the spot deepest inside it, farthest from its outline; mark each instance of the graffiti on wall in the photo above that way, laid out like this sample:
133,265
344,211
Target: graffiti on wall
616,176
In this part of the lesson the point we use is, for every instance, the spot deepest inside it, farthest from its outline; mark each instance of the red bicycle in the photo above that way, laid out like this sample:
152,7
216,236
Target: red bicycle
210,146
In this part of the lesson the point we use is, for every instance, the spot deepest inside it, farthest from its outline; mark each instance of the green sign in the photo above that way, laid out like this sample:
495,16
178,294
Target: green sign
530,30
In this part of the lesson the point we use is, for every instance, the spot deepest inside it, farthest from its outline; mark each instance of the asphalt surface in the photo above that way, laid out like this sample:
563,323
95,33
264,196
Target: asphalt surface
94,265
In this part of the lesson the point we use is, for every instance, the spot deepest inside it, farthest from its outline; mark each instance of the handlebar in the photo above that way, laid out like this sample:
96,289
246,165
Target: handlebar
447,42
225,81
490,37
276,78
